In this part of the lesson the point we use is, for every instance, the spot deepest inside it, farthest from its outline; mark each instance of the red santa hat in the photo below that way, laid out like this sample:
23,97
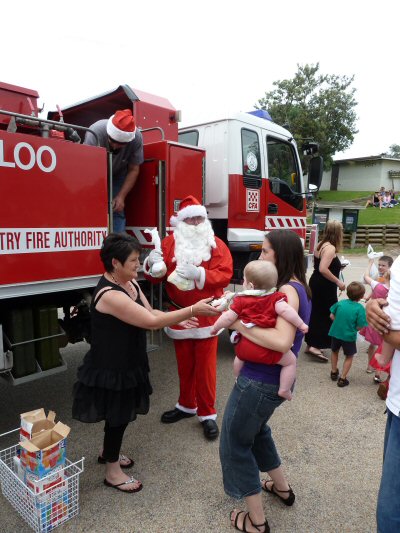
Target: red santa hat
121,127
189,207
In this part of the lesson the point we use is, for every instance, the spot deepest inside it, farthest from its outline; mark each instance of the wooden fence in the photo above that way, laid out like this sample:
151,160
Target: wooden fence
382,236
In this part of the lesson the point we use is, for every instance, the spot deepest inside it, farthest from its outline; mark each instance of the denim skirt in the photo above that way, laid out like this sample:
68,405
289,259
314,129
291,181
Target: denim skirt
246,444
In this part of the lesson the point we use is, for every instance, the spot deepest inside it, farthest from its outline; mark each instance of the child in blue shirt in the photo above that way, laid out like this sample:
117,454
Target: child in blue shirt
348,317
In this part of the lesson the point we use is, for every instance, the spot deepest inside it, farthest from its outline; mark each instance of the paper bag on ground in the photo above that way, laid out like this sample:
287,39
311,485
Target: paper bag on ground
46,450
34,422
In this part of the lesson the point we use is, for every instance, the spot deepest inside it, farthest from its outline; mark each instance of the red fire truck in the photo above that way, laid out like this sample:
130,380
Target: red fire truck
56,212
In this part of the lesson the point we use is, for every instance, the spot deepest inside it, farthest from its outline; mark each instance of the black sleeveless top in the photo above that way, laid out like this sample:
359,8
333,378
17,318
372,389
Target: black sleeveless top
324,295
113,382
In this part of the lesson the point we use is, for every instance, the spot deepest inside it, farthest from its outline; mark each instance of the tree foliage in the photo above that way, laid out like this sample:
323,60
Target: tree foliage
315,106
394,151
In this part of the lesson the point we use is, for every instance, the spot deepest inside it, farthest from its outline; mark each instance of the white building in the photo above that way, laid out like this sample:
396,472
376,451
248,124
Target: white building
363,174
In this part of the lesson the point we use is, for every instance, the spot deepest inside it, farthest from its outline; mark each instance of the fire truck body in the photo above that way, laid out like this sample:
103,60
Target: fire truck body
254,181
56,210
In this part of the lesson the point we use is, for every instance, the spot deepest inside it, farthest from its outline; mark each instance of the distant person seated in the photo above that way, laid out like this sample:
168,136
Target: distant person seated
387,199
393,201
375,200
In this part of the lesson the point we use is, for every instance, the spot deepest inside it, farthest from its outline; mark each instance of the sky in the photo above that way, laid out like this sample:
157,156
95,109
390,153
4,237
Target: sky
209,58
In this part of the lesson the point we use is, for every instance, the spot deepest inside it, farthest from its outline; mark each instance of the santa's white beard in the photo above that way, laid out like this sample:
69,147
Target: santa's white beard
193,243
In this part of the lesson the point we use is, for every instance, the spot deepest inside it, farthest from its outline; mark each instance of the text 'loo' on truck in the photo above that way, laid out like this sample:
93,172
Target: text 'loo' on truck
254,180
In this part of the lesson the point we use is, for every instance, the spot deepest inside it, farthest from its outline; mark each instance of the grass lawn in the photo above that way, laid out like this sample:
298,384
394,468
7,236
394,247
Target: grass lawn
342,196
370,216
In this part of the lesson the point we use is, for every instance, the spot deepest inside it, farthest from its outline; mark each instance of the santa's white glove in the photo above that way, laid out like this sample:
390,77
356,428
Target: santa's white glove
155,257
189,272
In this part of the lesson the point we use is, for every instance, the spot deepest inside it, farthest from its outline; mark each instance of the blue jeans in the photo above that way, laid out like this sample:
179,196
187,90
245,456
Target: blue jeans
388,508
246,444
119,221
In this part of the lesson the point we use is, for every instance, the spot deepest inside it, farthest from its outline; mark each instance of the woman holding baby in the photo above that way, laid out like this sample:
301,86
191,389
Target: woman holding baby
246,446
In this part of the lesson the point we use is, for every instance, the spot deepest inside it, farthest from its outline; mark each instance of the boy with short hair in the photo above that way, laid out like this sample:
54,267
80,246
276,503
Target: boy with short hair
384,264
348,317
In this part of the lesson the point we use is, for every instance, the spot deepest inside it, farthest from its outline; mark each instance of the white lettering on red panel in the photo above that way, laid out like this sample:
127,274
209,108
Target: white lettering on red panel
252,200
26,157
37,240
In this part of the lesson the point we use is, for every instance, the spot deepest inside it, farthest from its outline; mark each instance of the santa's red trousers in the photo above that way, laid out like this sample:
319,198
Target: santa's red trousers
197,369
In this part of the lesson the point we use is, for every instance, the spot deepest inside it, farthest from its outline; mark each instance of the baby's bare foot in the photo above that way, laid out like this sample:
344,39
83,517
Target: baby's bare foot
285,394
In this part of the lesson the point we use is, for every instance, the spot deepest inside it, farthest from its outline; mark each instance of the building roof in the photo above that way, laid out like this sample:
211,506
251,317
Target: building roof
367,158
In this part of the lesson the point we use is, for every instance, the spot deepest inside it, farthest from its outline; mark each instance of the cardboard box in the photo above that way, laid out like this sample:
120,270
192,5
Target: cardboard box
18,469
52,507
46,450
34,422
40,484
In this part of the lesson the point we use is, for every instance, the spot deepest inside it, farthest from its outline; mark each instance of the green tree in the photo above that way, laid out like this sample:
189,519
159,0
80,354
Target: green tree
394,151
315,106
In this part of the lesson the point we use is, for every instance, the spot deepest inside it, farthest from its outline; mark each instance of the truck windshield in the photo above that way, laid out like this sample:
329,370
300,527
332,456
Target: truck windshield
283,173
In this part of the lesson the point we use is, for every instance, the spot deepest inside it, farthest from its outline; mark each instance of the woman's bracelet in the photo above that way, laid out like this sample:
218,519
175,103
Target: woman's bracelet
191,311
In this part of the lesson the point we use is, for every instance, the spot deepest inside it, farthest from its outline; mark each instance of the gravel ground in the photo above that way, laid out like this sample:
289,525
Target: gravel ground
330,441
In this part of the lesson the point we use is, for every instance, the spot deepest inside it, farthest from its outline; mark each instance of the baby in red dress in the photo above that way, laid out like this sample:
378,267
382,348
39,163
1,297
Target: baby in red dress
259,304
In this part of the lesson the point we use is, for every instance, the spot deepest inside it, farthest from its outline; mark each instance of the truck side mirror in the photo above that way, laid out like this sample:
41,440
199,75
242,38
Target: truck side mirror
315,173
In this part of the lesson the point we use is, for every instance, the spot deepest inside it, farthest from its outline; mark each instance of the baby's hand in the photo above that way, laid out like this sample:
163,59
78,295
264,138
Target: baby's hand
221,304
304,328
228,295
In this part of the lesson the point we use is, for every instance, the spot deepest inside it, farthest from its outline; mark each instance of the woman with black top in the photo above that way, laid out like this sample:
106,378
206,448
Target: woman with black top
113,383
375,200
324,283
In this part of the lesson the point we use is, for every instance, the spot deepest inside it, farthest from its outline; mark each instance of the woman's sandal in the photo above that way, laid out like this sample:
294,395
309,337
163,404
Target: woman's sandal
247,516
317,353
289,501
129,491
103,461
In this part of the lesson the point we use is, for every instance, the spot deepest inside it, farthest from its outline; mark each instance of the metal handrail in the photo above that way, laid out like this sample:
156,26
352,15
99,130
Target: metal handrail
155,128
59,126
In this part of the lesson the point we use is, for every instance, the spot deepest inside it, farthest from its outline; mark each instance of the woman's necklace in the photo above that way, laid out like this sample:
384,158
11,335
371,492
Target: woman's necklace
115,281
133,292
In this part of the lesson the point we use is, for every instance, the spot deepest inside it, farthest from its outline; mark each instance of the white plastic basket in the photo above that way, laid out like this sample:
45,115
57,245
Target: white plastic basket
43,510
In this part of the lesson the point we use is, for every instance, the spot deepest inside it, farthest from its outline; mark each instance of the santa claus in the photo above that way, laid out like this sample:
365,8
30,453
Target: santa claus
195,264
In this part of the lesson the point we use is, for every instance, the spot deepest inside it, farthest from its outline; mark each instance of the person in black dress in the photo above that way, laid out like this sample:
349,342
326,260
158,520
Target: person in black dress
113,382
324,283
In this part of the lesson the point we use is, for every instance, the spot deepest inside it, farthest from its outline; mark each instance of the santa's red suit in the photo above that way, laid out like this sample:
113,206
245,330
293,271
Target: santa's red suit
196,349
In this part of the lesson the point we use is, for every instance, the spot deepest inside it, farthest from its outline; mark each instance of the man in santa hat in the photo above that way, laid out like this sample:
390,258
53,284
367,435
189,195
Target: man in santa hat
195,265
124,141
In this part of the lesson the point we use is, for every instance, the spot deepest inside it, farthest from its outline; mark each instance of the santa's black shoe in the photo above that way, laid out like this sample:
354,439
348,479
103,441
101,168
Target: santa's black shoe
169,417
210,429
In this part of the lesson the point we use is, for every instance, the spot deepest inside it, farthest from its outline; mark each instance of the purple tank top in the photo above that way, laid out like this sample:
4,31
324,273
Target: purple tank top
271,373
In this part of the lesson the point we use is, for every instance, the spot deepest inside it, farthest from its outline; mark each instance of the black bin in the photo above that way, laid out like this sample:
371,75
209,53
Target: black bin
350,219
320,217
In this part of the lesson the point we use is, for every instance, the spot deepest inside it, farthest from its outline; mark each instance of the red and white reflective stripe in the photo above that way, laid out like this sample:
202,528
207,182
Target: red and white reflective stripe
37,240
285,222
139,233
